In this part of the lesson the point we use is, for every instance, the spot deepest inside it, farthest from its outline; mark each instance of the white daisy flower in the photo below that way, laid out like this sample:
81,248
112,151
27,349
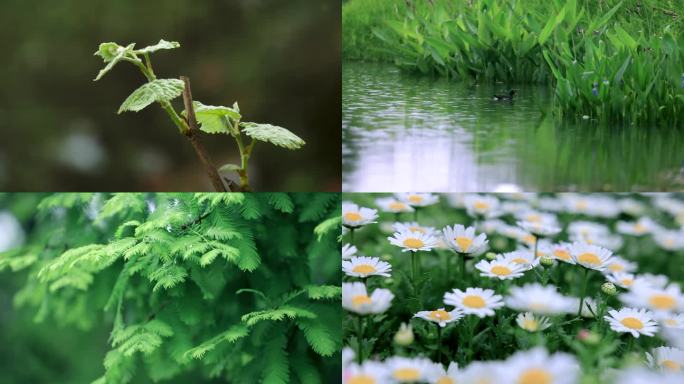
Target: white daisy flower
364,266
390,204
449,376
474,301
640,227
408,370
621,279
370,372
631,320
348,251
538,223
538,366
513,207
501,268
667,299
532,323
631,206
642,375
491,226
355,299
440,316
484,206
587,229
463,240
669,240
590,256
591,205
354,216
482,372
617,264
348,356
651,280
670,320
418,199
666,359
413,227
413,241
561,252
539,299
523,258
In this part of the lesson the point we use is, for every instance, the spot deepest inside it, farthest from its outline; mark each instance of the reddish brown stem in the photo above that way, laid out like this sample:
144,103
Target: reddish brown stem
192,133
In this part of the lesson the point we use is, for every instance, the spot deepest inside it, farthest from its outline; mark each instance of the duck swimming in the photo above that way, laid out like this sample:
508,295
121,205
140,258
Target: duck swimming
509,96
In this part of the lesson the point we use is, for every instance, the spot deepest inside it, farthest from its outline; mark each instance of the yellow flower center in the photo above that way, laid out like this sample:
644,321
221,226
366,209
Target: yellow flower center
397,206
671,365
360,300
671,322
415,198
662,301
407,374
440,315
529,239
520,260
534,218
416,229
581,205
500,270
364,269
530,325
481,206
464,243
535,376
353,216
562,254
538,306
445,380
413,243
474,301
362,379
632,323
615,267
639,227
589,258
627,282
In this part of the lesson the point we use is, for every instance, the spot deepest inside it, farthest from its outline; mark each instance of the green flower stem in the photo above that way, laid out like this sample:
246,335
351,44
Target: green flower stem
351,236
439,343
415,266
463,266
415,214
583,292
359,327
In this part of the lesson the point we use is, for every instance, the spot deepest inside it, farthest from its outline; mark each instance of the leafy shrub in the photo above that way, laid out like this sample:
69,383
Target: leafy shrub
243,287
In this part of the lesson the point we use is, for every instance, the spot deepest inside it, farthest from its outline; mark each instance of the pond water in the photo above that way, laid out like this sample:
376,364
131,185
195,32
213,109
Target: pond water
411,133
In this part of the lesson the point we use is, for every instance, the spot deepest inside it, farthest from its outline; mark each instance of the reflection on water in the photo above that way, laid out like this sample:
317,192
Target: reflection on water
406,133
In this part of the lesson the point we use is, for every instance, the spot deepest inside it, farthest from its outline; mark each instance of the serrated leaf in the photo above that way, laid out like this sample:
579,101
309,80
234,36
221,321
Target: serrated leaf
112,53
157,90
162,44
212,119
275,135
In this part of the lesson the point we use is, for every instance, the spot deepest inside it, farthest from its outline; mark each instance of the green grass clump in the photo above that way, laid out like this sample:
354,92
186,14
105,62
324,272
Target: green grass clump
359,18
614,61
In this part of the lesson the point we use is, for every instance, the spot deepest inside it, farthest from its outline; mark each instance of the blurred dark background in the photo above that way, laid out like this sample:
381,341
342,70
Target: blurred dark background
59,130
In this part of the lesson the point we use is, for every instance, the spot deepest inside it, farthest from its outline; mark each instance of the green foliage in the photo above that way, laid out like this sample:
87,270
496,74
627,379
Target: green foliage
211,119
633,54
156,90
278,136
233,286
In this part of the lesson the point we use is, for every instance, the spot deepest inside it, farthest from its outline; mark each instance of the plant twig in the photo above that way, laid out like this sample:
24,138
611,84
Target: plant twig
193,135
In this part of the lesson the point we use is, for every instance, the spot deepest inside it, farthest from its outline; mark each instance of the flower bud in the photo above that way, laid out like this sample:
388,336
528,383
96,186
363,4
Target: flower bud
588,337
404,336
609,289
490,255
546,261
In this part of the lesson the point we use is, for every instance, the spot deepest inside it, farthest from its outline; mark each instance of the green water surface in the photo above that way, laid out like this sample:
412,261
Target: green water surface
411,133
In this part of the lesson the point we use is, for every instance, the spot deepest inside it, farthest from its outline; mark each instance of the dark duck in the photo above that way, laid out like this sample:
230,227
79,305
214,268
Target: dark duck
508,96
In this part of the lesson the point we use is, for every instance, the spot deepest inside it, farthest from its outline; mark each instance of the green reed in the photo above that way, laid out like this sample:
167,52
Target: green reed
607,60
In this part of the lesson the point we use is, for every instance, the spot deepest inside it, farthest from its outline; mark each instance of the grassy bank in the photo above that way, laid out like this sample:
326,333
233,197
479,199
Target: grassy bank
609,60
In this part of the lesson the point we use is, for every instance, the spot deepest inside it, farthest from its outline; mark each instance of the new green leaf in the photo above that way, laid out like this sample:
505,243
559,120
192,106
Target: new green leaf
157,90
275,135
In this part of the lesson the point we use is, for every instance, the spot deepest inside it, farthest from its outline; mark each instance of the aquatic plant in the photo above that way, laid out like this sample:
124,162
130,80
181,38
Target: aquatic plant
197,116
239,288
568,44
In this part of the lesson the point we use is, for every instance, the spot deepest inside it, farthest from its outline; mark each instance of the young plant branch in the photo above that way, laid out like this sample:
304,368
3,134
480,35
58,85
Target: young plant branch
197,116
